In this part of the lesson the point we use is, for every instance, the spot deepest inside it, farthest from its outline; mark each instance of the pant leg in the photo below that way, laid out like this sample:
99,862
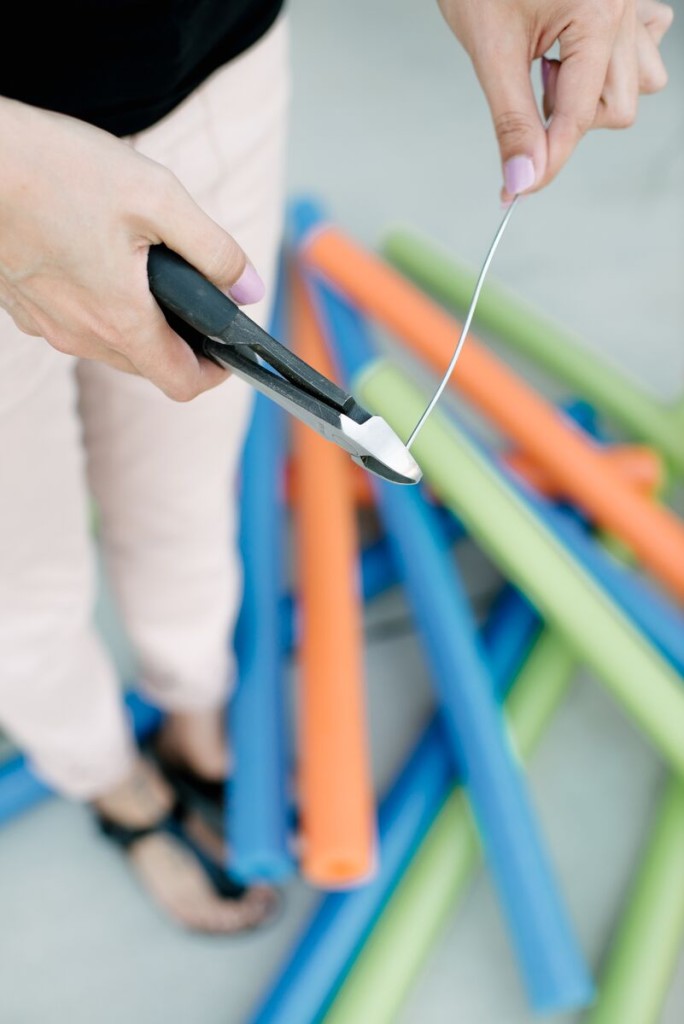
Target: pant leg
163,473
59,697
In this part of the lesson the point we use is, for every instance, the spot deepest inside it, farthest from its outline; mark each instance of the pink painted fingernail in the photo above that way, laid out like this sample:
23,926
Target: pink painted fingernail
545,72
248,288
519,174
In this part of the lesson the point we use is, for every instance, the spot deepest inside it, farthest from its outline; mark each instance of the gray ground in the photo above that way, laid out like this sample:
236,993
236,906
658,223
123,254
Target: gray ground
389,126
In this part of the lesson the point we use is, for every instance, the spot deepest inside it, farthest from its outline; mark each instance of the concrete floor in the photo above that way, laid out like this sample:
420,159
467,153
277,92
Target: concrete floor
389,126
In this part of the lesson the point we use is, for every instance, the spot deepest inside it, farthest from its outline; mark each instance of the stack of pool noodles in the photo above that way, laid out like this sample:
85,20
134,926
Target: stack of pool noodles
593,559
550,513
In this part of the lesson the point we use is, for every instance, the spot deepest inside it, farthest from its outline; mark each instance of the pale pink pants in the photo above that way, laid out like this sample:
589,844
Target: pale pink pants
162,475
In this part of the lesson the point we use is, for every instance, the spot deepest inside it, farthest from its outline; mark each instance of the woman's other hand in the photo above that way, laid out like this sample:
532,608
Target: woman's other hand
608,55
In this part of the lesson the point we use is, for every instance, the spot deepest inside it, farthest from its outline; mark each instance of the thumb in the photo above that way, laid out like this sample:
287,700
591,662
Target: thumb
517,122
191,233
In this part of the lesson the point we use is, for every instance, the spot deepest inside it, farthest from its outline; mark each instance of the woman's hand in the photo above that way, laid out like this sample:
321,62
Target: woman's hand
608,55
79,210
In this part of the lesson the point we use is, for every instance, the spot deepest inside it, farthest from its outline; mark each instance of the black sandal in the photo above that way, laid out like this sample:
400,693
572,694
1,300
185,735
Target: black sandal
172,823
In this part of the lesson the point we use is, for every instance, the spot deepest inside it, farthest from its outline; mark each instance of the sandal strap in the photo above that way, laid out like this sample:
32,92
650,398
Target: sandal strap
205,796
126,836
211,791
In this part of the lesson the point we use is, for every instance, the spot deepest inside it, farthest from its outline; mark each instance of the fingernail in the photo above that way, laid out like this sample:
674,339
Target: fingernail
519,174
545,72
248,288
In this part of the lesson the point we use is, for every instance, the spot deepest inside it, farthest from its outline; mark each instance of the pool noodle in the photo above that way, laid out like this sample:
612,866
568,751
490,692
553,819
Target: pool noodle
338,828
258,817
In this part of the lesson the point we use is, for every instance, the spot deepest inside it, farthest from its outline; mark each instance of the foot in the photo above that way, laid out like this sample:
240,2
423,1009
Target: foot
196,740
169,870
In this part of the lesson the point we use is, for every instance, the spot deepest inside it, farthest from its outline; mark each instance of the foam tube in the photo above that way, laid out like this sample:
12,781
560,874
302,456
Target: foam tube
20,789
507,317
326,948
531,557
652,531
338,828
362,490
257,804
650,933
640,466
382,976
549,954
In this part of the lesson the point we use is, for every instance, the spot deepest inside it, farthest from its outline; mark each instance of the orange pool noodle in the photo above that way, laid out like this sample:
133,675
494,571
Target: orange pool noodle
363,495
335,787
653,533
638,465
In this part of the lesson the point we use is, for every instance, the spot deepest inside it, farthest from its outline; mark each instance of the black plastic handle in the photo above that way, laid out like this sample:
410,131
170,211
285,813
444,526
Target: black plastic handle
181,288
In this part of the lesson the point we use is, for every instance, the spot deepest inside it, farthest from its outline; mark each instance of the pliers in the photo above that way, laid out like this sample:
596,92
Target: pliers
219,330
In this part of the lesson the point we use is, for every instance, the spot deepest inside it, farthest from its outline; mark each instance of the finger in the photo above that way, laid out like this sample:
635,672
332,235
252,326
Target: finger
517,122
652,71
189,231
655,17
620,96
579,83
159,354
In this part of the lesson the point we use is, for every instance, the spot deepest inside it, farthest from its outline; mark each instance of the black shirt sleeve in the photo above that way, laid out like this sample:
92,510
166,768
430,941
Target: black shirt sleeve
119,64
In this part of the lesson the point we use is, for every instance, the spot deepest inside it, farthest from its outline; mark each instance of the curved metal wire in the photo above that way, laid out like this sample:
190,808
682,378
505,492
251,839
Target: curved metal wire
466,323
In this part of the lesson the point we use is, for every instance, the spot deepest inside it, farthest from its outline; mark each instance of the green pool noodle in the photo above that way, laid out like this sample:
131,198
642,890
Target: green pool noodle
528,554
650,935
509,318
377,985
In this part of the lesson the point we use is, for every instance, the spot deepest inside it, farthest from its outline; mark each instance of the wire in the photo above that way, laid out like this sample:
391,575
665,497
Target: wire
466,324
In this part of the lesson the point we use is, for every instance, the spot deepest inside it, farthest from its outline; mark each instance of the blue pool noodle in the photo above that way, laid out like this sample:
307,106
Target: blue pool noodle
324,952
258,804
554,971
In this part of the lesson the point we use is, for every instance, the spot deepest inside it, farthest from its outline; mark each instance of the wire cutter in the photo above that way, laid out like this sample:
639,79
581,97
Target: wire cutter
218,329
